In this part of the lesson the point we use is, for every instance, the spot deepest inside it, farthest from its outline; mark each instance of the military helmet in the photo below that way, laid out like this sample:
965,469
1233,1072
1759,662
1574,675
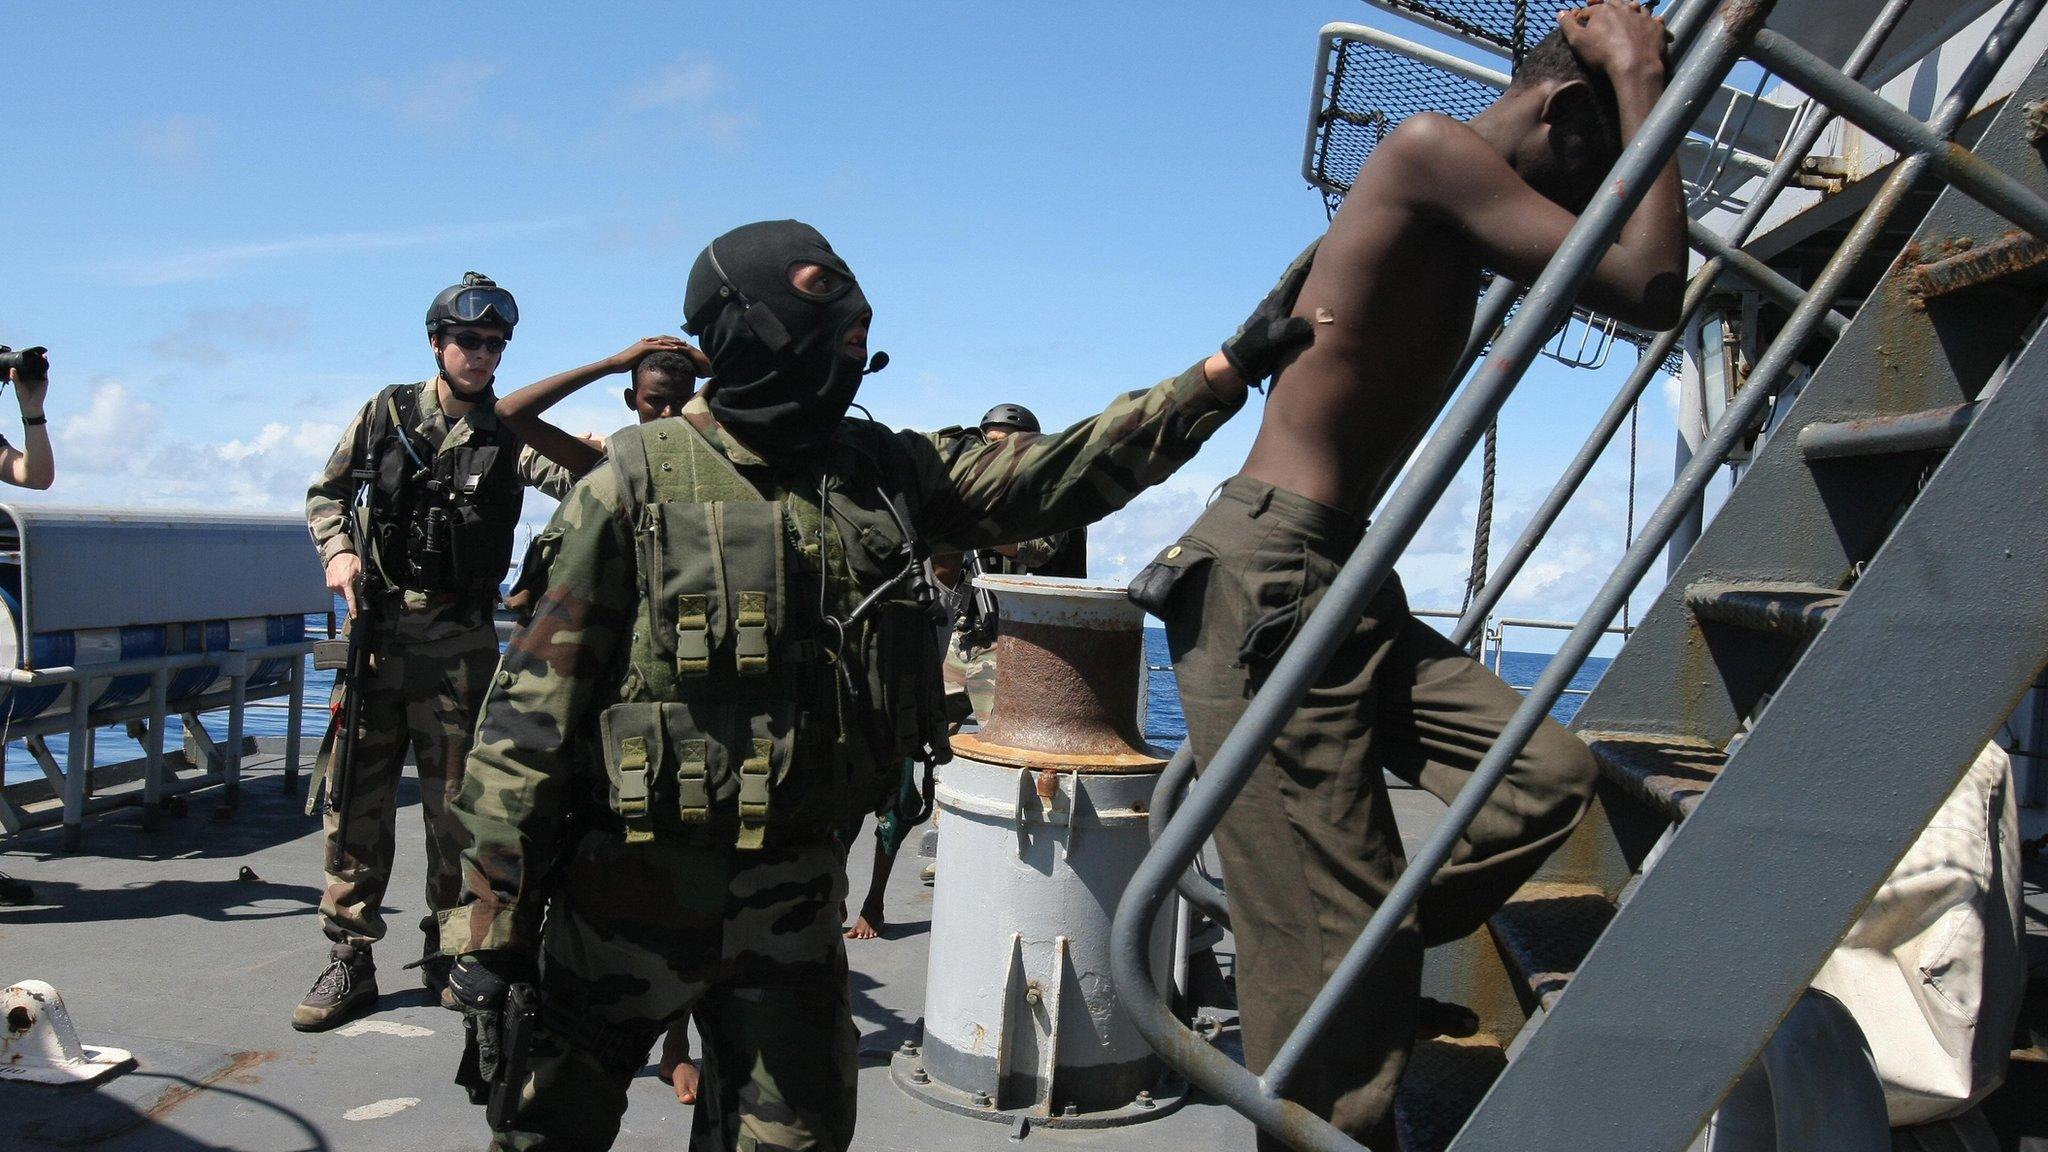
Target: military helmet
477,300
1010,416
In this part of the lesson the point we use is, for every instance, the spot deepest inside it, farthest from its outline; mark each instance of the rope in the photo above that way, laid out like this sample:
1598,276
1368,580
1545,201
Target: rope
1482,530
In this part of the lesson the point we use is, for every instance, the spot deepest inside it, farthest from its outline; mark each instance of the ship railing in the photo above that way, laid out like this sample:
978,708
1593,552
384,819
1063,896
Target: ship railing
78,776
1709,38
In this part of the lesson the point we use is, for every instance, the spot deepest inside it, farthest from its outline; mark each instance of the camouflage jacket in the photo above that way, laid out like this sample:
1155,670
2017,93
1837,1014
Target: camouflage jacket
531,766
418,617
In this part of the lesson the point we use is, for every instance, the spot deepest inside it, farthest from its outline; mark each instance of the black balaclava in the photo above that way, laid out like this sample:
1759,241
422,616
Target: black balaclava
783,379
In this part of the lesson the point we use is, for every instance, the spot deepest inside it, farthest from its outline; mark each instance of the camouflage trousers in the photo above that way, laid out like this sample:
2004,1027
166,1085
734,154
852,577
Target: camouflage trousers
970,679
423,698
639,936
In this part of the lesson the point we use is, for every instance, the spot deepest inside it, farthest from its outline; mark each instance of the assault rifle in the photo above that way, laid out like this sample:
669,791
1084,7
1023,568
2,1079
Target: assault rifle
976,625
352,665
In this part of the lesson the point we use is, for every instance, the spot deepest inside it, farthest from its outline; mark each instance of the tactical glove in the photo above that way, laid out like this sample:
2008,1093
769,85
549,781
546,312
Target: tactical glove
1271,333
481,981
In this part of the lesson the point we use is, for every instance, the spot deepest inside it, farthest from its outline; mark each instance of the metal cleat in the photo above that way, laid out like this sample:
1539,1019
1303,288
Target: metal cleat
40,1046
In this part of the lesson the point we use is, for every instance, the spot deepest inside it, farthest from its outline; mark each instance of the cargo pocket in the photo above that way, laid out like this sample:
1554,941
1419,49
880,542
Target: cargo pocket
703,778
1174,581
1276,610
762,737
633,743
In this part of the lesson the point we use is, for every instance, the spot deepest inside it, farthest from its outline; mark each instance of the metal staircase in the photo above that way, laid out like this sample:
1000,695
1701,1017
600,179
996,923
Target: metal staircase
1860,616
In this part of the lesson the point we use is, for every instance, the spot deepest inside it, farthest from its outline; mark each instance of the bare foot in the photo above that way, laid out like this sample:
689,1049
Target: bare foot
676,1067
868,926
685,1077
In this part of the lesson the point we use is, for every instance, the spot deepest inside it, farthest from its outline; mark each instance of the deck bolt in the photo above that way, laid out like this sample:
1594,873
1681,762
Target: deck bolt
982,1100
1070,1110
920,1076
1144,1099
907,1048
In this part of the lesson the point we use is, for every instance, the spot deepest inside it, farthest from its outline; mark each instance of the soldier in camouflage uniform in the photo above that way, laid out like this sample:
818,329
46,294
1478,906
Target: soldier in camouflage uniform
970,672
603,795
434,647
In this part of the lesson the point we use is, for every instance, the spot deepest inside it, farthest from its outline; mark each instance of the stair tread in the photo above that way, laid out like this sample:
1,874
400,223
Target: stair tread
1783,607
1445,1079
1670,773
1904,433
1546,930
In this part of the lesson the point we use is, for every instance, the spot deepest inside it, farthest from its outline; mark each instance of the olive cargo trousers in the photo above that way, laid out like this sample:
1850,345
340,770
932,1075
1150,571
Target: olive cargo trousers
1309,847
423,697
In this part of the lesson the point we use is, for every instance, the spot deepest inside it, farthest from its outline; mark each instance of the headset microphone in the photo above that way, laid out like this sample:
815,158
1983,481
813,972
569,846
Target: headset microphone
876,363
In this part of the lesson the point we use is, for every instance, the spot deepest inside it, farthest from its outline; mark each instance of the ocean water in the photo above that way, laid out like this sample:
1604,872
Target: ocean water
1164,723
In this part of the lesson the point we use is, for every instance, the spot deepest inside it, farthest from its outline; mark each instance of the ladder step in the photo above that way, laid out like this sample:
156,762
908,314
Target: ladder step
1669,773
1441,1087
1800,610
1936,429
1546,929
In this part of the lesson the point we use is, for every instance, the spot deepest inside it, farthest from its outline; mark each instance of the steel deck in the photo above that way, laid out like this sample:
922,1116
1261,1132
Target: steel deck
161,944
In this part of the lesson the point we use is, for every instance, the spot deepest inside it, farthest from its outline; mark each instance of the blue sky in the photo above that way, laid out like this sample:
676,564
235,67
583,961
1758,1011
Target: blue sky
227,221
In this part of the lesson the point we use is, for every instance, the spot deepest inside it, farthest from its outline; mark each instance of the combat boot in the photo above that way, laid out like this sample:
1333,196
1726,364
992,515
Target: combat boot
345,988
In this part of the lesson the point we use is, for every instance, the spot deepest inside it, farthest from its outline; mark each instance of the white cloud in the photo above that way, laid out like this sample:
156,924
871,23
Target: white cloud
177,142
107,435
686,80
436,98
1128,539
208,263
117,452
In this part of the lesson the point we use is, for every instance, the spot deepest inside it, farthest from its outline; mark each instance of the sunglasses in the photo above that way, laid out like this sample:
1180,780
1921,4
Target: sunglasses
470,342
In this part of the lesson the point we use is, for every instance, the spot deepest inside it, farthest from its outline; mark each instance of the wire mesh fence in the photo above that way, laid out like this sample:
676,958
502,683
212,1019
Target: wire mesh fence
1501,22
1368,90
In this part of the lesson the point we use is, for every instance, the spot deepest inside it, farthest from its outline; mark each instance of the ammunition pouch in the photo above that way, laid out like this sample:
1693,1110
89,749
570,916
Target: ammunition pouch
755,700
673,765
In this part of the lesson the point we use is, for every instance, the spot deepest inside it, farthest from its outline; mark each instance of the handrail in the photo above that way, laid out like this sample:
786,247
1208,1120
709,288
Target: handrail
1732,24
1696,77
1696,295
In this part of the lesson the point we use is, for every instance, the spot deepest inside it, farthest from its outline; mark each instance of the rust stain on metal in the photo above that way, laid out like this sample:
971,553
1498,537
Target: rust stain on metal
1068,692
238,1066
1048,784
974,747
1967,266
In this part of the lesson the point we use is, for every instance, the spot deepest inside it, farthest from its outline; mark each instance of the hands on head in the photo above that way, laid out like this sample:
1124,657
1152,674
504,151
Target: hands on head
1616,36
642,348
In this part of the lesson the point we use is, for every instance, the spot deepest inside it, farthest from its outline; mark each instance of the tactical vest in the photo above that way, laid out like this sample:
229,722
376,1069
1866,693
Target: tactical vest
445,521
782,674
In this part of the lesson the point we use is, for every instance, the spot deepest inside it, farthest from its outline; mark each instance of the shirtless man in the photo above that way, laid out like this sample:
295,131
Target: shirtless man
1309,847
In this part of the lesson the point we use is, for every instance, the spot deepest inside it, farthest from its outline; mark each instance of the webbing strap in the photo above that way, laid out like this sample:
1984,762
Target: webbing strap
693,634
751,648
633,790
693,796
754,795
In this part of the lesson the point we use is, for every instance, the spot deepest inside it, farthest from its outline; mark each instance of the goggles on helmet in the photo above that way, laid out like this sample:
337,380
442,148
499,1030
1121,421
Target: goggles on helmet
474,305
